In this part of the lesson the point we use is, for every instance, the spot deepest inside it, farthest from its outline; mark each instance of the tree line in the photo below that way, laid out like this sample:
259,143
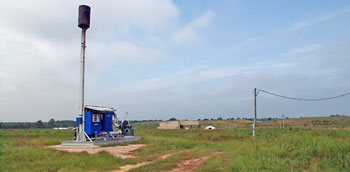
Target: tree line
70,123
39,124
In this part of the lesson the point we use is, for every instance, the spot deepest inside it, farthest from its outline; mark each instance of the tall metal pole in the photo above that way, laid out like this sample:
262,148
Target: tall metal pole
254,124
82,80
84,24
283,120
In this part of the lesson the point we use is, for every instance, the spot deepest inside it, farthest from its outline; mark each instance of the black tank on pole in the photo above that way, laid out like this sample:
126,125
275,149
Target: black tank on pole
84,17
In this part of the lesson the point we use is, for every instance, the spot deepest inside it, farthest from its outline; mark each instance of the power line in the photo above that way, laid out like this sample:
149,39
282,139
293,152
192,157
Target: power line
256,91
304,99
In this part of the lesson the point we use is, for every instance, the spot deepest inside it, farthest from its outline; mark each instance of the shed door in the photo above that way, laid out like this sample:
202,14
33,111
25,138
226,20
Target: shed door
96,118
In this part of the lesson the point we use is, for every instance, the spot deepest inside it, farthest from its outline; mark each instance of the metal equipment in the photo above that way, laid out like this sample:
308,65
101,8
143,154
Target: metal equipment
127,129
99,122
97,125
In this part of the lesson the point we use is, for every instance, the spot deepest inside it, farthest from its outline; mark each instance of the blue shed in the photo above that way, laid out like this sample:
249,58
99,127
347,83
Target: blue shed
92,123
107,122
98,119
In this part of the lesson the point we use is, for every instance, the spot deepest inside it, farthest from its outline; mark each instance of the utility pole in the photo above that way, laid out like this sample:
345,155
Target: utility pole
254,124
283,119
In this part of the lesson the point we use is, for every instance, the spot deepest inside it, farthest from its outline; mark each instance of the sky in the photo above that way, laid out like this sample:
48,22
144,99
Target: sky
158,59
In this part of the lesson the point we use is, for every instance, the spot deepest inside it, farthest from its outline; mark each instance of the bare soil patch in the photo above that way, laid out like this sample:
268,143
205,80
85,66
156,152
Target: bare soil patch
117,151
244,121
189,165
131,166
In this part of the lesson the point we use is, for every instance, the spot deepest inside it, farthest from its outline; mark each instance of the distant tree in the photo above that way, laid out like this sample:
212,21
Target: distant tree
65,123
51,123
21,125
205,119
198,119
173,119
220,118
39,124
28,125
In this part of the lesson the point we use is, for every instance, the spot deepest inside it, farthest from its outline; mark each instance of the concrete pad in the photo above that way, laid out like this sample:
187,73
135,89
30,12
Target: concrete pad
117,151
100,142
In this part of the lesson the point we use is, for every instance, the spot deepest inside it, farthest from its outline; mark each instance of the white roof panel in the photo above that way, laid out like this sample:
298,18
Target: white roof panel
100,108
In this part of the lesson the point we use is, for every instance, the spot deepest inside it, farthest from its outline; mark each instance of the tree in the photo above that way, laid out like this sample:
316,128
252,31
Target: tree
51,123
21,125
173,119
39,124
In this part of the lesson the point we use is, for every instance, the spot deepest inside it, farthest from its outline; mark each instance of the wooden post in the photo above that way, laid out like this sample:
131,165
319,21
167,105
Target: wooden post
254,124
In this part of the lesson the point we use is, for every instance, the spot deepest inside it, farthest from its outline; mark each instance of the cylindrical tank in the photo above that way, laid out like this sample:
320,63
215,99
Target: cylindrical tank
84,17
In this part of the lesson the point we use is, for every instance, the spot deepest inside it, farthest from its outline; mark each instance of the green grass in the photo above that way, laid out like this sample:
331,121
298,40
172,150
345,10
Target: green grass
274,149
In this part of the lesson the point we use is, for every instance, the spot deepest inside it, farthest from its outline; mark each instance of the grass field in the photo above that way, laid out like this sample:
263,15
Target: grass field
316,146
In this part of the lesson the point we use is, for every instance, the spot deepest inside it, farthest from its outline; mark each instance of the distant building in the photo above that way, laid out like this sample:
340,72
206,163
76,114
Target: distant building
61,128
178,124
64,128
209,127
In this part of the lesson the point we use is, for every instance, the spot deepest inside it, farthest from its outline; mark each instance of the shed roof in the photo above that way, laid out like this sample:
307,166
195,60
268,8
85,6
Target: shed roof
100,108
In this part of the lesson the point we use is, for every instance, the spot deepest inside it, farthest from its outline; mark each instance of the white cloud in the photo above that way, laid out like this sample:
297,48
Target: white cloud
307,49
316,20
118,17
40,50
190,32
56,18
123,50
202,73
172,96
234,48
